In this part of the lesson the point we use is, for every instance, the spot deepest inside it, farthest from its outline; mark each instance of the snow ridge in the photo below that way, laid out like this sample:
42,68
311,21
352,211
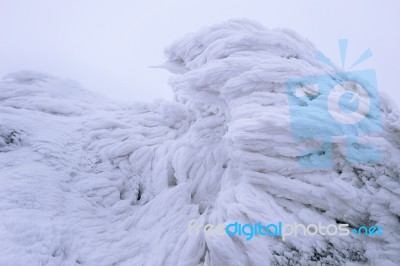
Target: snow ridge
86,181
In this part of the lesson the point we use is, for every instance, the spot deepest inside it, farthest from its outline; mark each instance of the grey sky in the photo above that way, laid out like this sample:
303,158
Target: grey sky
108,46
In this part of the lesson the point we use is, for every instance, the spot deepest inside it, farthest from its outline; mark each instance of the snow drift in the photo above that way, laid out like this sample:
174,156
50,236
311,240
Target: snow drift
85,181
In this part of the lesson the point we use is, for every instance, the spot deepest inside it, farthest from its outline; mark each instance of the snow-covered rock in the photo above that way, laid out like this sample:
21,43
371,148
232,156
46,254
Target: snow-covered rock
86,181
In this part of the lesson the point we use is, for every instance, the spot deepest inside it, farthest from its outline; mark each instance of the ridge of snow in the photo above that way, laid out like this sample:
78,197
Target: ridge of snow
89,182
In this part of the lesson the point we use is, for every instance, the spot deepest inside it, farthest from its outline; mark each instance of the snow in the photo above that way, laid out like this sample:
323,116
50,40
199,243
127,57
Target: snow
88,181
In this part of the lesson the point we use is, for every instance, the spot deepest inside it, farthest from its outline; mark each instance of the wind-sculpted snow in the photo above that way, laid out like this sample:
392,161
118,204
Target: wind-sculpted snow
85,181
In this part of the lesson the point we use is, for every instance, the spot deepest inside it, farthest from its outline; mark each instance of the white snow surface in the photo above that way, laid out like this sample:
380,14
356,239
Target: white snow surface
87,181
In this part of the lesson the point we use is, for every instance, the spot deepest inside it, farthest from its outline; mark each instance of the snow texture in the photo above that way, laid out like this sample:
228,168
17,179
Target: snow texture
87,181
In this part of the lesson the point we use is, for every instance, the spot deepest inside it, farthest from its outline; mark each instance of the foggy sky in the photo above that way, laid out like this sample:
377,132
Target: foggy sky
108,46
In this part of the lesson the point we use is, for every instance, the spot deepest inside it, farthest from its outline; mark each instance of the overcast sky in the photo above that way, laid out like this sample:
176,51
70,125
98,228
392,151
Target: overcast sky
108,46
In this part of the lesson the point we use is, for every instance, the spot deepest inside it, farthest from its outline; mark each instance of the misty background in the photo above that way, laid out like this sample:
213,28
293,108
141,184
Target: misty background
109,46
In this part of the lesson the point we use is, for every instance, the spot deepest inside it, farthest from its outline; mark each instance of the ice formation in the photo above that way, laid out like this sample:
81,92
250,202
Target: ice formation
86,181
